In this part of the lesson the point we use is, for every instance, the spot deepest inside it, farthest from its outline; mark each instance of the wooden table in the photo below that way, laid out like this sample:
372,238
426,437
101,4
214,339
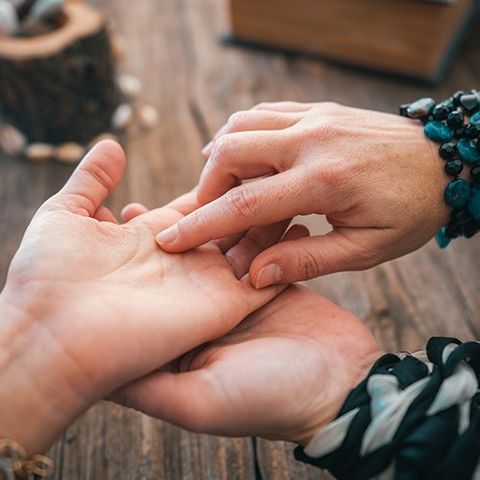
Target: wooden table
196,83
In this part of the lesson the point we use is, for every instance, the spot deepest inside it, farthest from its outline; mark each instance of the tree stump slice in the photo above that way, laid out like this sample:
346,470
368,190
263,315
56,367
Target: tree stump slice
60,87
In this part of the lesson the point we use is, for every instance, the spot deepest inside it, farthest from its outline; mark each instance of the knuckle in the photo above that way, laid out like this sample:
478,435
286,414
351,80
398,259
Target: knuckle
242,201
367,257
330,107
98,174
361,253
328,129
261,105
324,128
327,177
308,265
237,121
223,149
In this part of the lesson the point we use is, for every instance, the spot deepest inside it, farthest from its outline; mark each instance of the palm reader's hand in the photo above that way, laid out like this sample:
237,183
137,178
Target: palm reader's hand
375,176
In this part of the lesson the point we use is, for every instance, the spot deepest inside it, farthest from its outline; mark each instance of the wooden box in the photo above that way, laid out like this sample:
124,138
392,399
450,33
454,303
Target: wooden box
412,38
60,86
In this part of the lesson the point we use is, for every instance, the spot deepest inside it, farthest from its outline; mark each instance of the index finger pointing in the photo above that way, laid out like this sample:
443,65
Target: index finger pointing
257,203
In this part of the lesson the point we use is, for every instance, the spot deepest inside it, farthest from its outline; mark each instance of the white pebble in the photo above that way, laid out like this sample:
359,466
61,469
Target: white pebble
103,136
9,24
129,85
43,9
148,117
122,117
12,141
40,152
69,153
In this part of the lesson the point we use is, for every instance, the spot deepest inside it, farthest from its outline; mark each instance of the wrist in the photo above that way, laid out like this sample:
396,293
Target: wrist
453,125
37,379
335,399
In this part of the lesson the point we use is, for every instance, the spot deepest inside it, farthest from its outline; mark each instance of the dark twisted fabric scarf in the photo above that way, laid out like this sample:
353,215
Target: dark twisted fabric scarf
424,445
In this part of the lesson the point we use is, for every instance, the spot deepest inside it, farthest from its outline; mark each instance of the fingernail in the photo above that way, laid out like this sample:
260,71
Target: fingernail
269,275
206,148
125,209
168,236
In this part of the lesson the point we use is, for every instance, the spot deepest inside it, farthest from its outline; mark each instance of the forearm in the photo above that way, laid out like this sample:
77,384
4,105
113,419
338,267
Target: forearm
38,396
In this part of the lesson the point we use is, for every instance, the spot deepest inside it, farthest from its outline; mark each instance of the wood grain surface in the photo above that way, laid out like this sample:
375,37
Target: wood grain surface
172,45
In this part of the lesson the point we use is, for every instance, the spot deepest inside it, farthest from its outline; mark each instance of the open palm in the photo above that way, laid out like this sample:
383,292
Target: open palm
280,374
108,296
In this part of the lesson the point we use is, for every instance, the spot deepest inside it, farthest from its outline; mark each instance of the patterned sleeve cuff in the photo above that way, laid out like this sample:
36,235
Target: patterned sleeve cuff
412,417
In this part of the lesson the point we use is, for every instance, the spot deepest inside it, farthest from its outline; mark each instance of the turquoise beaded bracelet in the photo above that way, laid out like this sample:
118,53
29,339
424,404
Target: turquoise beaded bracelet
455,125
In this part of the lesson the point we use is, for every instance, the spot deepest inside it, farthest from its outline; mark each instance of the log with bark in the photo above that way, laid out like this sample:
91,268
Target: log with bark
60,87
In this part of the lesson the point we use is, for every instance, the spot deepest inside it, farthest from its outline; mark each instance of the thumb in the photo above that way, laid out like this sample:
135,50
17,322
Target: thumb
93,180
305,258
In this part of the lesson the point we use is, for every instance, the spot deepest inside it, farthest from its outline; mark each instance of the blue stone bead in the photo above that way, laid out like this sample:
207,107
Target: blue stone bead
475,175
449,103
457,193
468,151
438,132
457,96
442,239
469,102
420,108
474,205
471,130
456,119
440,112
404,109
475,118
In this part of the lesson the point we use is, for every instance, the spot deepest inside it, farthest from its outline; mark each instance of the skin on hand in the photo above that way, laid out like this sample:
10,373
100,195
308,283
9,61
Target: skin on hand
375,176
281,374
90,304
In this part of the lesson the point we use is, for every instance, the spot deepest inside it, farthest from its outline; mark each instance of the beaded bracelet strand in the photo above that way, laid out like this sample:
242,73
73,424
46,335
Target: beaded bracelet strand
455,124
414,416
14,463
